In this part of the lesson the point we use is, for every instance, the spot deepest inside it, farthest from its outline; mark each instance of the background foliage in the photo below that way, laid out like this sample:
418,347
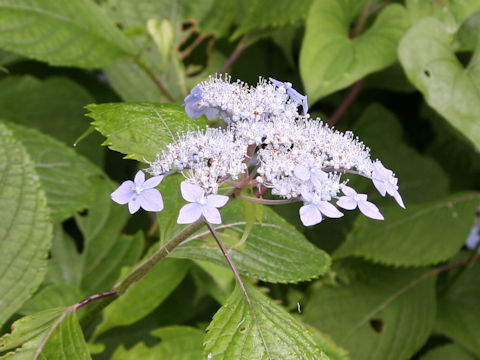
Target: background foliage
403,75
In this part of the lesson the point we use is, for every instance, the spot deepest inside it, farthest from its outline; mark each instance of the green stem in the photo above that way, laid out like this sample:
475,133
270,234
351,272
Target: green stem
155,80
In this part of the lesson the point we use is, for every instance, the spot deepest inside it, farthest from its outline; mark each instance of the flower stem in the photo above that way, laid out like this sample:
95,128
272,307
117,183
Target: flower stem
154,78
242,45
266,201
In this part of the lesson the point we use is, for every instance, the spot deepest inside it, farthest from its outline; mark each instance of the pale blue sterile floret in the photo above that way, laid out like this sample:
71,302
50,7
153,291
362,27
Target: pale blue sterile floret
352,200
200,205
314,174
311,212
194,108
294,94
139,193
386,182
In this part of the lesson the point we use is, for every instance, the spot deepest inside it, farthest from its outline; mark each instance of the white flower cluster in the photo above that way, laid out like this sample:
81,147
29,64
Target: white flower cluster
267,144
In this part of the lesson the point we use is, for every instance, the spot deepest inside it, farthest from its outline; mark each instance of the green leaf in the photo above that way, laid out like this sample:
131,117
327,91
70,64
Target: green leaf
66,341
332,350
106,249
447,352
274,251
451,13
330,60
420,235
468,35
140,130
379,313
177,343
67,178
233,333
448,87
65,264
145,295
29,101
458,314
71,33
273,13
52,296
25,228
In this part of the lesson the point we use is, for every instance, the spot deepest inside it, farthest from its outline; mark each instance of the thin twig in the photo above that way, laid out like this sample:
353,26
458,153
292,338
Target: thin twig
351,96
239,280
361,20
266,201
152,77
233,57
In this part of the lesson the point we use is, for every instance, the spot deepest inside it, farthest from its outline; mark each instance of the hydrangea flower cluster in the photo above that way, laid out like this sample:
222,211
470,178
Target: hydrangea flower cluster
267,144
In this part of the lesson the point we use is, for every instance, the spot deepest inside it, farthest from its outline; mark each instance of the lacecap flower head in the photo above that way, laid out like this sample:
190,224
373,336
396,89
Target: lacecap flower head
269,145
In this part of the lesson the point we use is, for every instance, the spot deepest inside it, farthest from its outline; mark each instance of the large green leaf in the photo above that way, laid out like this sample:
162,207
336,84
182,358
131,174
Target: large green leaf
332,350
330,60
448,87
25,228
378,313
29,101
234,334
52,296
447,352
145,295
273,13
177,343
458,311
420,235
67,178
140,130
106,249
61,32
274,251
451,13
66,341
468,35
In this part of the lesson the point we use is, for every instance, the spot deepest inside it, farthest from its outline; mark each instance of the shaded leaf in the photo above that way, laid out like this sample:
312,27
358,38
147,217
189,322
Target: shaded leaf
140,130
67,178
411,237
274,250
447,352
458,314
330,60
177,343
379,313
448,87
71,33
52,296
325,342
25,228
66,341
468,35
233,334
145,295
29,101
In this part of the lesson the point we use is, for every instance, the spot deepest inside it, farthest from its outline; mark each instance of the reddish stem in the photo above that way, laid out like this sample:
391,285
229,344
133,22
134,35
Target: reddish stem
351,96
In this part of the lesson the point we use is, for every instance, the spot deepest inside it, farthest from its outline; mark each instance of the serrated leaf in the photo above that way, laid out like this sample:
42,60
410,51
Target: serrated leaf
447,352
447,86
145,295
25,228
325,342
66,341
458,314
177,343
106,249
52,296
412,236
71,33
273,13
233,333
380,313
274,250
67,178
451,13
140,130
29,101
330,60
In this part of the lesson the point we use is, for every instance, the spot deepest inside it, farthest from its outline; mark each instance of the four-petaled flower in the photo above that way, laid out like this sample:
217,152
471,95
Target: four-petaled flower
386,182
294,94
193,108
139,193
311,212
200,205
315,175
351,200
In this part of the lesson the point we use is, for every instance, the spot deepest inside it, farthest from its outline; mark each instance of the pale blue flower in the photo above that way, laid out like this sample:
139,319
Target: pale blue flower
193,107
386,182
314,174
139,193
200,205
294,94
311,212
352,199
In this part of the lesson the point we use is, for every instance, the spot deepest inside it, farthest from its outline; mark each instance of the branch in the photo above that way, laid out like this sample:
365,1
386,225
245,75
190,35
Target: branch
351,96
152,77
234,56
